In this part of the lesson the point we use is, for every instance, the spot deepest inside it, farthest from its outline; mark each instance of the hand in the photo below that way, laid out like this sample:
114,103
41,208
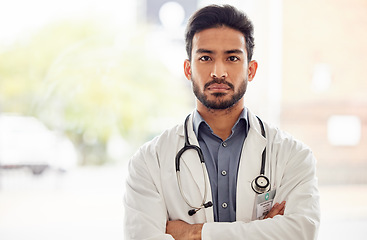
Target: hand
181,230
277,209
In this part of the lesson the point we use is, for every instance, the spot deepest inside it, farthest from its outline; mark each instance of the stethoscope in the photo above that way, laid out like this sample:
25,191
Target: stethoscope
260,184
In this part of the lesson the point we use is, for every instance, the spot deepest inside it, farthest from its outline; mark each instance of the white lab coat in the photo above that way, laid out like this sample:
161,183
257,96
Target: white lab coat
152,195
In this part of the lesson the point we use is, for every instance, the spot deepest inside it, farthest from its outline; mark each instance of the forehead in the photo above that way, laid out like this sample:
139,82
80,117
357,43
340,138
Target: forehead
219,39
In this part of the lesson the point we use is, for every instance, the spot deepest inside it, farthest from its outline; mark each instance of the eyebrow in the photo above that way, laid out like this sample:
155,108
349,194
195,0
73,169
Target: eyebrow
238,51
202,50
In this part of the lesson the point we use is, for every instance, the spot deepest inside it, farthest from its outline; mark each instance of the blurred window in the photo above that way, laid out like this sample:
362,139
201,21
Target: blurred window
344,130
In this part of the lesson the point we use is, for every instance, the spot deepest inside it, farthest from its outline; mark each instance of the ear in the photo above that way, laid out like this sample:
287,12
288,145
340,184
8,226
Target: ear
187,69
252,67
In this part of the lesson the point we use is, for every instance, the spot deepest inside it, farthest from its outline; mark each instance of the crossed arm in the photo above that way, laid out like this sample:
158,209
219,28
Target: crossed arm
146,206
182,230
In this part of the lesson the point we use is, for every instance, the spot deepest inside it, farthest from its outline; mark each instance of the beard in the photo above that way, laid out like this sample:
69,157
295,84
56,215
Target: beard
219,103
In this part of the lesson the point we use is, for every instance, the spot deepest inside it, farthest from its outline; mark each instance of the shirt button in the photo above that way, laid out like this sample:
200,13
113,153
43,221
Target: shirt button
224,172
224,144
224,205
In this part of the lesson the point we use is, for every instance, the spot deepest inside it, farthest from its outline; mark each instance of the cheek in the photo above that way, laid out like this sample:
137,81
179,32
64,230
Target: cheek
239,73
202,70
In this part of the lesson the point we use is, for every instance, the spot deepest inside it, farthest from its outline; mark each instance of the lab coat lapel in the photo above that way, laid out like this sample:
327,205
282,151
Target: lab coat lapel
191,160
249,168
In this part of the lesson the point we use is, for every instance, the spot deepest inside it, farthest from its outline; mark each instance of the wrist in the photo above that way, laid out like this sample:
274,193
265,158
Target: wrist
196,231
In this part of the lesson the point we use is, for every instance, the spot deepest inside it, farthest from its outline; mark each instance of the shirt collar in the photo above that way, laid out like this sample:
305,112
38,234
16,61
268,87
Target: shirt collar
197,120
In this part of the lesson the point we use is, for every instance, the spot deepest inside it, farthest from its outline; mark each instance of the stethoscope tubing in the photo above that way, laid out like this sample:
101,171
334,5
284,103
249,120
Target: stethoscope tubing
259,187
186,147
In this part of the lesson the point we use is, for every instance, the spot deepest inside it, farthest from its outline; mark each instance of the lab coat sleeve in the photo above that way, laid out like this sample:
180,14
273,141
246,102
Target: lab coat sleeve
145,211
298,186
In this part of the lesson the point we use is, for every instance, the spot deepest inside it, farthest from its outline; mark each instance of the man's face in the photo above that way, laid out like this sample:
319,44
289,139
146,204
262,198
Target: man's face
219,69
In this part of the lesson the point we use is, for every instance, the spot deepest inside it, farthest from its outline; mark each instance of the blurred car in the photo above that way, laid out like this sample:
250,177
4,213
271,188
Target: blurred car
25,142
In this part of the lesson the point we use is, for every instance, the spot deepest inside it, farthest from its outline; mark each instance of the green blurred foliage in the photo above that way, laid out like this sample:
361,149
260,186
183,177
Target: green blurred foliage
90,83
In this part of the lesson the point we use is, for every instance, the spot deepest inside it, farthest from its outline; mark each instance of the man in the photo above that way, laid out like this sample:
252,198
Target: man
169,197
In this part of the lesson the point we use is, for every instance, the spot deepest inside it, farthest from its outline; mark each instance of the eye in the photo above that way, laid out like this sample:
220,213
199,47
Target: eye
205,58
233,59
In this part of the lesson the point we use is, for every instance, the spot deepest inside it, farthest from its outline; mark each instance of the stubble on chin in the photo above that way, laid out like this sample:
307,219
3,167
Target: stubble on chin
219,102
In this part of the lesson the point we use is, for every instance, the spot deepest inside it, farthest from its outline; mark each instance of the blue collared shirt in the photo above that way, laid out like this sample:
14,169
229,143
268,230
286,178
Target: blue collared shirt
222,160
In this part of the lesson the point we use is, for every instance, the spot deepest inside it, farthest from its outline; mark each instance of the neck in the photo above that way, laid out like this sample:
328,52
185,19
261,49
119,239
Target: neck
221,121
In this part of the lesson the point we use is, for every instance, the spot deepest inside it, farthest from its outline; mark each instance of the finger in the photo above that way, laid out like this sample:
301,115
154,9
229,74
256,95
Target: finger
283,208
282,212
277,209
273,211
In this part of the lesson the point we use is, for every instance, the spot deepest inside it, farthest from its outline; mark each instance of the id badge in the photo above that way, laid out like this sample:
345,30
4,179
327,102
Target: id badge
264,203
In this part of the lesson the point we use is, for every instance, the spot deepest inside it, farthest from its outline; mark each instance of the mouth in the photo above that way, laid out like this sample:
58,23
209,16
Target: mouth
218,87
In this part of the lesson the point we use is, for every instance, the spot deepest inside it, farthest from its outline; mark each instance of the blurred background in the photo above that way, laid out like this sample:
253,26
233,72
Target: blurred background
84,83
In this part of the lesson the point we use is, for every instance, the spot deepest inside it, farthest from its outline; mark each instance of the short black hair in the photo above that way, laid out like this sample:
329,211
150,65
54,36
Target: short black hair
213,16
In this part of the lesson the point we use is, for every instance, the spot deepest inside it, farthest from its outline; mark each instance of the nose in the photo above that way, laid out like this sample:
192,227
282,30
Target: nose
219,71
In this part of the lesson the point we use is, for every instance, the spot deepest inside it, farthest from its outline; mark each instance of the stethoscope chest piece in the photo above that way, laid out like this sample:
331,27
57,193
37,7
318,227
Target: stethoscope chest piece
261,184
